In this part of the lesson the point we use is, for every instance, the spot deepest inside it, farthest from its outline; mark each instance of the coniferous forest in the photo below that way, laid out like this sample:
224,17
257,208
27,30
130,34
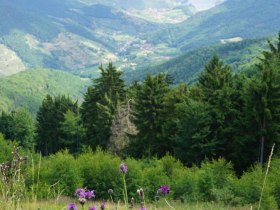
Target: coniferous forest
218,132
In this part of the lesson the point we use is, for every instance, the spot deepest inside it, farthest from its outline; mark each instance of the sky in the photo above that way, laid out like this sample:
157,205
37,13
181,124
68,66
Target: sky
203,4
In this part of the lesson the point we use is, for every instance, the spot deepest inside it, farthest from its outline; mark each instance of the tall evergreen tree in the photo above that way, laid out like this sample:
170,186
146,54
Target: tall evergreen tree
148,116
215,83
50,135
264,100
100,103
193,141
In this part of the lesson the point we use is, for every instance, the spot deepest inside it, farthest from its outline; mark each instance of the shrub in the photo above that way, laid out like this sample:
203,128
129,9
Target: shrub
60,171
215,181
153,177
100,172
273,182
6,149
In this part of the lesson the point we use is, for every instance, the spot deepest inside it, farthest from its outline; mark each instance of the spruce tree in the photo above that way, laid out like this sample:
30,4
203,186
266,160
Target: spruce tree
50,135
100,103
148,116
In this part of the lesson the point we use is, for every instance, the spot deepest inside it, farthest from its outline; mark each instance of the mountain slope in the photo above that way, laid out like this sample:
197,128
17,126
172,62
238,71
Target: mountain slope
239,56
66,35
28,88
233,18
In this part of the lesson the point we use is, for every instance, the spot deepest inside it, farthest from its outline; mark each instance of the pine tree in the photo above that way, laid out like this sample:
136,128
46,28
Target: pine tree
50,135
148,116
264,101
100,103
193,141
215,83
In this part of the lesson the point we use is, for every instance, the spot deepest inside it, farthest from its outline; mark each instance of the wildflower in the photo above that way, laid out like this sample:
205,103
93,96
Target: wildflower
102,207
123,168
89,194
72,206
80,192
164,190
82,201
92,208
142,208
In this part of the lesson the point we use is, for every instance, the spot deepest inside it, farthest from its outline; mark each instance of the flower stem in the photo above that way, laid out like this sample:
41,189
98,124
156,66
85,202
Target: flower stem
125,193
169,204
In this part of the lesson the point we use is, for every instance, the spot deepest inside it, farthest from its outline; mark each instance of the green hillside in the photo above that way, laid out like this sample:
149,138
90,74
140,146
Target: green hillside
28,88
233,18
239,56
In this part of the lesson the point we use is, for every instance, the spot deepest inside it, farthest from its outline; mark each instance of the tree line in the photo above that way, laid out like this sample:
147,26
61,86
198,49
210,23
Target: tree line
234,116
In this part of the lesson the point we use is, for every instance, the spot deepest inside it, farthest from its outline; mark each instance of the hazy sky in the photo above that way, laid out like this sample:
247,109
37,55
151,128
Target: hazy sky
203,4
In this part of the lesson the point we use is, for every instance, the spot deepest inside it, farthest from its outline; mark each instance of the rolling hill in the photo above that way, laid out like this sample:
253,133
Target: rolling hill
28,88
241,55
247,19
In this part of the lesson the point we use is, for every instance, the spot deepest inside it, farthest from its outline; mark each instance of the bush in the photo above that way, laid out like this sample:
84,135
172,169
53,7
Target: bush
6,150
185,184
248,187
273,181
100,172
215,181
153,177
61,173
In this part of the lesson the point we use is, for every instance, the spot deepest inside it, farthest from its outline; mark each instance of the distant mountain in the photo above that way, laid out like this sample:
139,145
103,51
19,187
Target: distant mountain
66,35
233,18
204,5
78,35
240,56
139,4
28,89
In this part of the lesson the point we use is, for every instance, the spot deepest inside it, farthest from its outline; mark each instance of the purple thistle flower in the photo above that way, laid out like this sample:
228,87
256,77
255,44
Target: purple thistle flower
92,208
142,208
164,190
102,207
72,206
123,168
89,194
80,192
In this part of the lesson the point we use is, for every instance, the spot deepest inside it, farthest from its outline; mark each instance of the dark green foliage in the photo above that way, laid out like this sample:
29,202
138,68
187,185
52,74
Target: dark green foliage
148,117
50,134
100,104
192,141
72,127
264,97
19,126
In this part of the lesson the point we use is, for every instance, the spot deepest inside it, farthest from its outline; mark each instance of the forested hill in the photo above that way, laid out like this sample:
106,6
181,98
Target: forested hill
239,55
27,89
233,18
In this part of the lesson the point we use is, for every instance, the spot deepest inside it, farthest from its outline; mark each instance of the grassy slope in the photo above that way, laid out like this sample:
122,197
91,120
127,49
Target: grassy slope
186,67
29,88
